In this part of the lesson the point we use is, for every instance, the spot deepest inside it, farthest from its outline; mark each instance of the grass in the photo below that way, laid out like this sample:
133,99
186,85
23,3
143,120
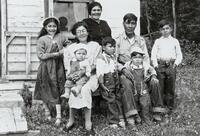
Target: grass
184,120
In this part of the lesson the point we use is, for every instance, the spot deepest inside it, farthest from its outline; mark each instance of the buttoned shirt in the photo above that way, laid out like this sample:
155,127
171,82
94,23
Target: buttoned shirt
166,49
106,64
124,46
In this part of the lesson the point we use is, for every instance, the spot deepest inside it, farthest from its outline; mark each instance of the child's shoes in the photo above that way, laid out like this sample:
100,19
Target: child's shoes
47,115
58,121
131,121
122,123
137,118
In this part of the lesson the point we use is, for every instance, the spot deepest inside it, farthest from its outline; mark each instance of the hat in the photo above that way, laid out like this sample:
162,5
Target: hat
136,50
80,46
48,19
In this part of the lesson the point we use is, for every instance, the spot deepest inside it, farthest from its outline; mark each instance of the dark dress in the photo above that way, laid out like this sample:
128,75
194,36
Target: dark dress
51,77
97,31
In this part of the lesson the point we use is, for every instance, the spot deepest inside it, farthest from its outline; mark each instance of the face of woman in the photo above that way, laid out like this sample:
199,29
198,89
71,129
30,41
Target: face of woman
96,13
82,34
51,28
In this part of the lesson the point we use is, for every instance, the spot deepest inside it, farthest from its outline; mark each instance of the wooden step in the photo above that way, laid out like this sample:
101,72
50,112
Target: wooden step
29,133
12,121
10,99
11,86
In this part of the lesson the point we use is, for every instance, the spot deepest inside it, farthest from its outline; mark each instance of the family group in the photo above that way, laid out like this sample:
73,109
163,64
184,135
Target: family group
136,87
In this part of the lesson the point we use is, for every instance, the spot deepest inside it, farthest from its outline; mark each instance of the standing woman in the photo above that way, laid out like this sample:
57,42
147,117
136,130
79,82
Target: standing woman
98,29
50,78
80,30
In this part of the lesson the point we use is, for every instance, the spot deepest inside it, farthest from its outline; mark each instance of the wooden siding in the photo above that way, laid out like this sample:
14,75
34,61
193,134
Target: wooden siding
25,15
22,61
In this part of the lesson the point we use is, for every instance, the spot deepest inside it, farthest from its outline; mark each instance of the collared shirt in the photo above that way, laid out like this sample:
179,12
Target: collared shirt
166,49
106,64
124,45
97,31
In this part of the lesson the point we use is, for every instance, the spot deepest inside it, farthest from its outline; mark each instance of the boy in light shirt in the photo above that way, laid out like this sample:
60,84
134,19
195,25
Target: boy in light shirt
166,55
107,69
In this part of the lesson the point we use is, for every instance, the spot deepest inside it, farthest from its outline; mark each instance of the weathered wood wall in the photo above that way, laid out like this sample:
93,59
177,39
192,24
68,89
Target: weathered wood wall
22,21
25,15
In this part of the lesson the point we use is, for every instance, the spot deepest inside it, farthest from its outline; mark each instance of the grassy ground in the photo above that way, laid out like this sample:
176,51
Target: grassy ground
184,121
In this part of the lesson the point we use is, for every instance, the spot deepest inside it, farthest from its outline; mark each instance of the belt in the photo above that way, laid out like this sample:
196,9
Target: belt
166,62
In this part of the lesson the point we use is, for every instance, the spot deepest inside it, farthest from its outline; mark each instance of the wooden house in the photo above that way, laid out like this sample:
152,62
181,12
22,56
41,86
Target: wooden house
21,20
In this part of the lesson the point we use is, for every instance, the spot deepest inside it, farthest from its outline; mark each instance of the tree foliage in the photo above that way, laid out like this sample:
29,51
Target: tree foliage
187,14
187,24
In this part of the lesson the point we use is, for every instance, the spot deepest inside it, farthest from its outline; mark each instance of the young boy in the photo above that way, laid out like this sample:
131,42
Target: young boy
139,90
107,72
76,65
166,56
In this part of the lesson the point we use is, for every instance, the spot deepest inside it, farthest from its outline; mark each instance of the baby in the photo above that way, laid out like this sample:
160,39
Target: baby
78,64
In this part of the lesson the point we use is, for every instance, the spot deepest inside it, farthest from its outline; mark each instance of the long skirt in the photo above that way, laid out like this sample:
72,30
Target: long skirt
50,81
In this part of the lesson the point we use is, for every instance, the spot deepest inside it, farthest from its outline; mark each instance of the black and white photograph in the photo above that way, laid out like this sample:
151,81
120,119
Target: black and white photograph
99,68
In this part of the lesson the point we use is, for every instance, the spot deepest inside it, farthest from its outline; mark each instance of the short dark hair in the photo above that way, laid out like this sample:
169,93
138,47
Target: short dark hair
48,20
164,22
63,21
77,25
92,5
107,40
130,17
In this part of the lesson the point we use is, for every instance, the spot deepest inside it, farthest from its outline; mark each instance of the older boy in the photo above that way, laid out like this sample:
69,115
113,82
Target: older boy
166,56
107,72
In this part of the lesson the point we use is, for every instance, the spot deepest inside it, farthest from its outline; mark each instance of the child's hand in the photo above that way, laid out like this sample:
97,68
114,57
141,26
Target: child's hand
106,91
67,42
61,51
154,79
74,91
174,65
